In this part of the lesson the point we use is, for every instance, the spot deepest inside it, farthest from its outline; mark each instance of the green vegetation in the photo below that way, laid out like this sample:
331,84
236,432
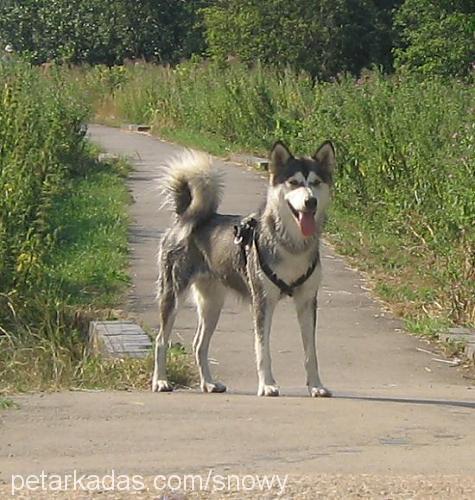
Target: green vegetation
63,241
324,38
405,203
6,403
436,38
99,31
89,260
42,147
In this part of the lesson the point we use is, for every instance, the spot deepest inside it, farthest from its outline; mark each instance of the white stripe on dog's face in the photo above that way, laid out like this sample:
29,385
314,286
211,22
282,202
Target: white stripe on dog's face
302,189
300,192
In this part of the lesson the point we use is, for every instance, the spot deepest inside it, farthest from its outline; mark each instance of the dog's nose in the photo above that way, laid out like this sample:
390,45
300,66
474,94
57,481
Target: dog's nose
311,203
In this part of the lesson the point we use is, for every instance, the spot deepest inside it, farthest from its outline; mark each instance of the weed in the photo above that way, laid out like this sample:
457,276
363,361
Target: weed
6,403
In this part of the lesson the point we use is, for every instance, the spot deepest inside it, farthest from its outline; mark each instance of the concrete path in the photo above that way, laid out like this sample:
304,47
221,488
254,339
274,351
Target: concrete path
396,410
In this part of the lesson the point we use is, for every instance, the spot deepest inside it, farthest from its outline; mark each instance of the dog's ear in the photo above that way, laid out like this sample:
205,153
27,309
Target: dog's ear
325,156
279,156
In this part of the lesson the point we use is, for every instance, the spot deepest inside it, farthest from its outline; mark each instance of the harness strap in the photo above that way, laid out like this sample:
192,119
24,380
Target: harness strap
281,284
245,235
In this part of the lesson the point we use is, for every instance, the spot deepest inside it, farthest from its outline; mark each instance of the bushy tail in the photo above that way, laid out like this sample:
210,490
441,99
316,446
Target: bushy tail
192,188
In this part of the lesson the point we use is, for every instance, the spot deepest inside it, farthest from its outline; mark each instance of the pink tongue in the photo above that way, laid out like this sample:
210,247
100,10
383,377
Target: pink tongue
307,223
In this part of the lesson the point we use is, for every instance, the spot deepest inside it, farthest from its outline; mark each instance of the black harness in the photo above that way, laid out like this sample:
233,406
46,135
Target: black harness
245,235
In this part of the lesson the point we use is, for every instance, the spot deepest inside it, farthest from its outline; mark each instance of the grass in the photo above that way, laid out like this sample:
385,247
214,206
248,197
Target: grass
134,374
86,280
84,277
63,241
43,366
212,145
400,275
6,403
89,262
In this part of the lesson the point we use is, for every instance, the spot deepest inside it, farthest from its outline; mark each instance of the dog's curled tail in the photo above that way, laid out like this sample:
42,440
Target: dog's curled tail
192,188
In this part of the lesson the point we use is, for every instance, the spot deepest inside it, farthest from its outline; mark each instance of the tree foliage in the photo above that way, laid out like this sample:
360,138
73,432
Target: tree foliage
436,37
323,37
99,31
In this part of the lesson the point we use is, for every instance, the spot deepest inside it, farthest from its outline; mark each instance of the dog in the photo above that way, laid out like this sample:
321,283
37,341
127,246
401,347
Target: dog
262,258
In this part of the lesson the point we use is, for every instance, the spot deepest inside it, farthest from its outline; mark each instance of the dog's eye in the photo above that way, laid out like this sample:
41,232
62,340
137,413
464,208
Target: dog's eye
294,182
316,182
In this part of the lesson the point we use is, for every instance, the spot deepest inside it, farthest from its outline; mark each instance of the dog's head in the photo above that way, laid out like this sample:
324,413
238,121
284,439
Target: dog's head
302,185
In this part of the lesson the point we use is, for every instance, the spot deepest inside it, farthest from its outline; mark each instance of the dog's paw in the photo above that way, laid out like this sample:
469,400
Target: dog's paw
161,386
213,387
268,390
319,392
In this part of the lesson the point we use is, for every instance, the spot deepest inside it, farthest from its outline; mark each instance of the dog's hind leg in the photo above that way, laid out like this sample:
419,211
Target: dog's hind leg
209,298
307,316
167,312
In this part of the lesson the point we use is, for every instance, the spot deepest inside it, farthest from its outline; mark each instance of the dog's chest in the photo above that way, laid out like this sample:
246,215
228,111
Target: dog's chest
290,267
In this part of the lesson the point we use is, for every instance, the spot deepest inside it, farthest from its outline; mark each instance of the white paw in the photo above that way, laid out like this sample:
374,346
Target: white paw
319,392
268,390
213,387
161,386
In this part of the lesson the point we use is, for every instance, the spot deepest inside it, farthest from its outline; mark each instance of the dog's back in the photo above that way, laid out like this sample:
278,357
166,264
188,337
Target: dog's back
200,241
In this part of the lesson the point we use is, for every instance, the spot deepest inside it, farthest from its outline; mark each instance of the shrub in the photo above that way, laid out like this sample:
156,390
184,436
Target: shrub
436,38
322,37
100,31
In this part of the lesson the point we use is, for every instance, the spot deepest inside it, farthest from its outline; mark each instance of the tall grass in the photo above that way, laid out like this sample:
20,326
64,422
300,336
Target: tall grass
63,240
42,147
41,144
405,193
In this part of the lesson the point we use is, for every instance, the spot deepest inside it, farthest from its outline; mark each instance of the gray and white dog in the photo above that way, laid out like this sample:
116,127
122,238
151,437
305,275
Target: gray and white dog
262,258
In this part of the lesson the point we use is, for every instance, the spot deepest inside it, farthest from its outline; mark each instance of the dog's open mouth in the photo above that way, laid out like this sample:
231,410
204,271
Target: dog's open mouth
305,220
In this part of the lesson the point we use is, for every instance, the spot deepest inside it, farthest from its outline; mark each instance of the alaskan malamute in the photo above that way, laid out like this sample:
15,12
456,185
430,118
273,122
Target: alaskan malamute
262,257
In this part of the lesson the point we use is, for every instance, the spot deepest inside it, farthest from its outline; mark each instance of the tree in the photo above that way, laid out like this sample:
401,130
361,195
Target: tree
323,37
436,38
100,31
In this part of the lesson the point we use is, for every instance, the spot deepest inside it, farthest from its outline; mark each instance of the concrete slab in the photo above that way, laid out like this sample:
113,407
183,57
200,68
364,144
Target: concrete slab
118,339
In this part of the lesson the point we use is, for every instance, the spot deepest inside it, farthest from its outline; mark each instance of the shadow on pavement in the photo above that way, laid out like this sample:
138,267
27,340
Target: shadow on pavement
351,397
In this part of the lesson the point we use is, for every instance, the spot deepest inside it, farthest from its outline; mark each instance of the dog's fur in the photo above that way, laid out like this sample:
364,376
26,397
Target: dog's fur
199,253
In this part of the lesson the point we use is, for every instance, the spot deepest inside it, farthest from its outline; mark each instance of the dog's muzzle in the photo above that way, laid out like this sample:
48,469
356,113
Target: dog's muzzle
311,204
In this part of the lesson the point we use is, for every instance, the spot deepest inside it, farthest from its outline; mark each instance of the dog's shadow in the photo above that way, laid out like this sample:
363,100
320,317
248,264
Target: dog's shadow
415,401
376,399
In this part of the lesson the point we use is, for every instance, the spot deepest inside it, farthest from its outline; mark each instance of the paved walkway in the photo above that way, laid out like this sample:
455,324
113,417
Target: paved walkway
396,410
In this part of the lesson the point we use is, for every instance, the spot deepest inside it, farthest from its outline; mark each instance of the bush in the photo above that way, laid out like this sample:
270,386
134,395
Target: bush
100,31
436,38
42,148
323,37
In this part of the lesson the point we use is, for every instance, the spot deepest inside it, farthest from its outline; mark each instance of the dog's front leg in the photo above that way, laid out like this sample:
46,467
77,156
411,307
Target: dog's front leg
167,310
263,309
307,316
